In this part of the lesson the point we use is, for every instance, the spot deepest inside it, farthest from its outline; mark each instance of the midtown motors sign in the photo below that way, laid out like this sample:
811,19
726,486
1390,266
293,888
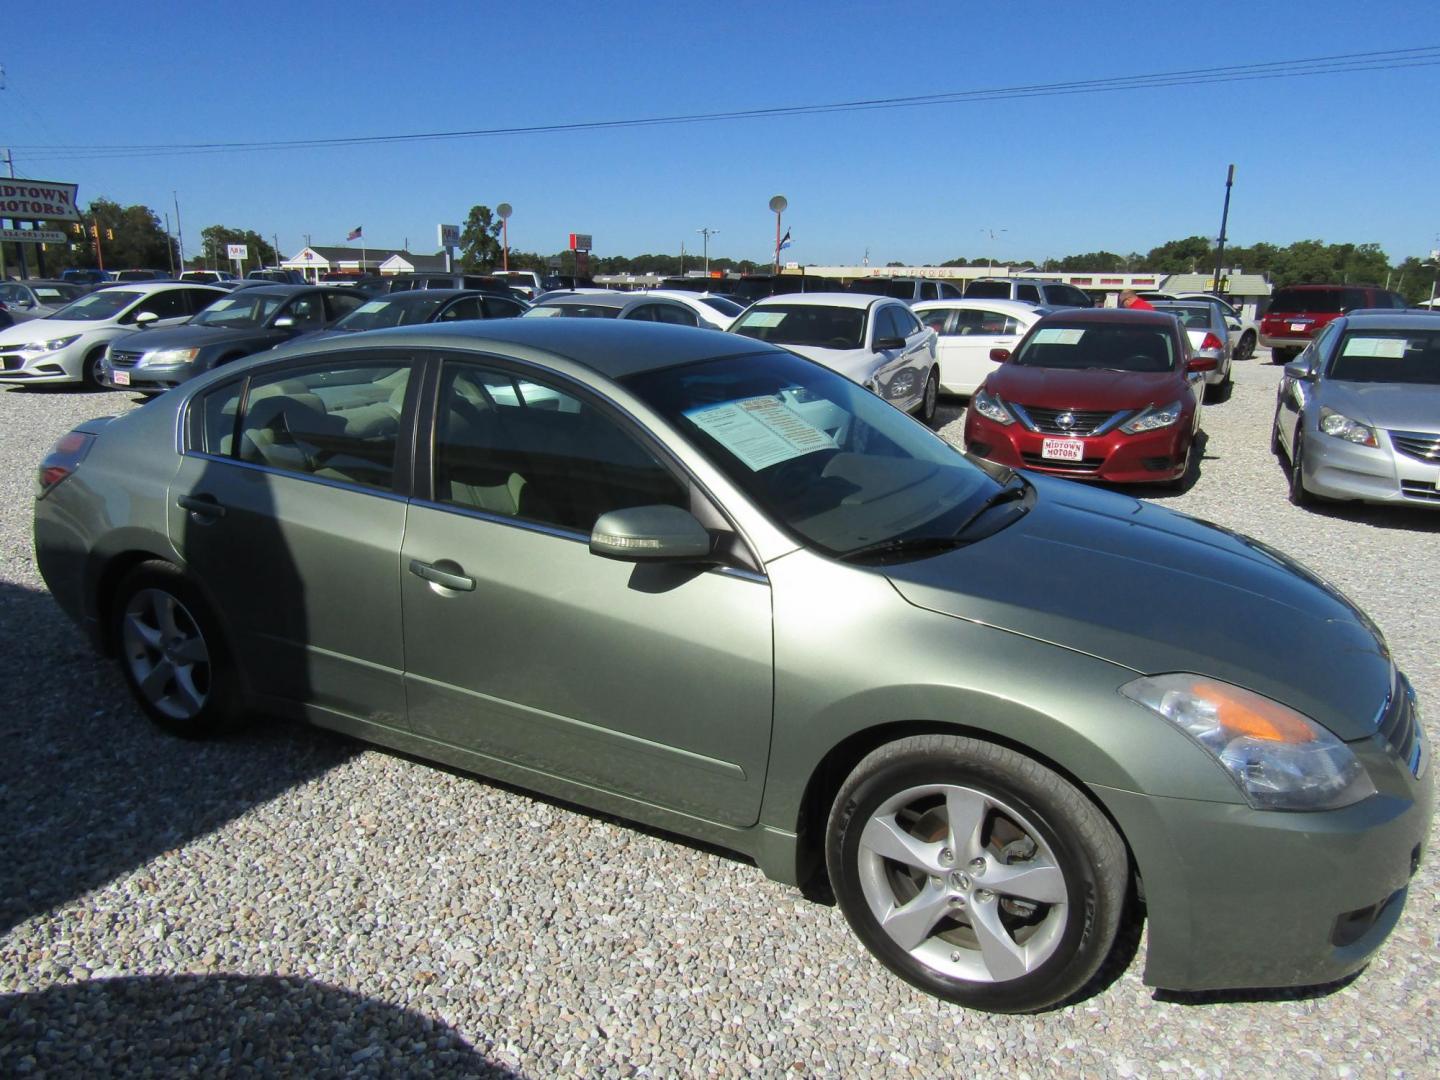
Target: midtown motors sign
32,200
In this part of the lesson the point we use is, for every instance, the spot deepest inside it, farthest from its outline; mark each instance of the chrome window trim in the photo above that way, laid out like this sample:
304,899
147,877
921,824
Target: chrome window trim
271,470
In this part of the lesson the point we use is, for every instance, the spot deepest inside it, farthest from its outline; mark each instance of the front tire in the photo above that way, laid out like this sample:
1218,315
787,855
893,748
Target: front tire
91,368
975,873
172,655
930,400
1299,494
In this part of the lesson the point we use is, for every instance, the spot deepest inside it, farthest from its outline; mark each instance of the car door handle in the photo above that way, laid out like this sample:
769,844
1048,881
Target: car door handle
204,505
433,574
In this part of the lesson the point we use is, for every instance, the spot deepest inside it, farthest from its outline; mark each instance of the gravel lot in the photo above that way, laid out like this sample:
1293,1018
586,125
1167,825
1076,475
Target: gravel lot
287,901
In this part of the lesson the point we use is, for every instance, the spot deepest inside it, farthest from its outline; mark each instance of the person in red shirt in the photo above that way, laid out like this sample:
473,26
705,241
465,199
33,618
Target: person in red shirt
1130,299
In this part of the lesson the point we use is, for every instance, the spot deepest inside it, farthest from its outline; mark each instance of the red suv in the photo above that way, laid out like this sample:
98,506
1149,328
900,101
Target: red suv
1296,312
1103,394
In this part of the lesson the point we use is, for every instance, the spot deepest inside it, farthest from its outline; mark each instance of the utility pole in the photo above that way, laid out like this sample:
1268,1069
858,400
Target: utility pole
169,247
1224,221
707,232
179,230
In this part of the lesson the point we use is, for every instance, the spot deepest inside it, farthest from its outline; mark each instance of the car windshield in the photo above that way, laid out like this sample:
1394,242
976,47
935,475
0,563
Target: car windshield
720,304
375,314
804,324
1313,301
572,311
989,290
1191,316
830,461
1118,348
244,310
1388,356
98,306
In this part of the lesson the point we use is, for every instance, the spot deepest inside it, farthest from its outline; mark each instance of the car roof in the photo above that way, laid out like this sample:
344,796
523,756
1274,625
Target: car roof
827,299
1110,317
154,286
280,288
415,296
981,303
589,299
1396,319
613,348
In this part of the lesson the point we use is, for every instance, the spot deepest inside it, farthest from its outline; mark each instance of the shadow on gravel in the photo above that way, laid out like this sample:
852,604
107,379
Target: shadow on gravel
90,789
1261,995
224,1025
1380,517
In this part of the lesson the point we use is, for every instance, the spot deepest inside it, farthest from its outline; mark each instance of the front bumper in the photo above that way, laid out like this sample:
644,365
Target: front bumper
1242,898
62,366
148,378
1337,469
1152,456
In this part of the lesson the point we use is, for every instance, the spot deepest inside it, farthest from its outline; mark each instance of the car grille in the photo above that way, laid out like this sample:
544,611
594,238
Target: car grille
1085,465
1400,725
1418,489
12,361
122,359
1417,444
1079,423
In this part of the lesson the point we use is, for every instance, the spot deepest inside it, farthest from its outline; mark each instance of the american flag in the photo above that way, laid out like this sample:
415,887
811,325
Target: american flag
355,233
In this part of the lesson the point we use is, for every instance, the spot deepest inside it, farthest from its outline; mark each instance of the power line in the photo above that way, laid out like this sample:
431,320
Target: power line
1343,63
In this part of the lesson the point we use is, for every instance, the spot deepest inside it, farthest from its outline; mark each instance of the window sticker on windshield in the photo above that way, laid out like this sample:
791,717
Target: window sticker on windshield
760,431
1387,348
765,318
373,305
48,294
1055,335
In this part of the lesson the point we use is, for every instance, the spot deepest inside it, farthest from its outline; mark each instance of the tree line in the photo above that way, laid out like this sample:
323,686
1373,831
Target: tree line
134,236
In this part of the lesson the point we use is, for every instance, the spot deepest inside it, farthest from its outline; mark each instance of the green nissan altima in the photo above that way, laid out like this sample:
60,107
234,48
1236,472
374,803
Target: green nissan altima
699,582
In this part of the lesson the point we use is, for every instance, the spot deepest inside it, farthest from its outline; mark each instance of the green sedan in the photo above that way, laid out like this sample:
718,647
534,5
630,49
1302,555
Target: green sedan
697,581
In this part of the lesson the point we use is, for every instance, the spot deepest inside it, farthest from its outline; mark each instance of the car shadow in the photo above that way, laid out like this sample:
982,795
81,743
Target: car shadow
1256,996
1407,518
90,789
223,1025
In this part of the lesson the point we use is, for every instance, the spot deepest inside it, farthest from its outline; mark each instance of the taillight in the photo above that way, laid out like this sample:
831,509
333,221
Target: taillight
1211,342
63,459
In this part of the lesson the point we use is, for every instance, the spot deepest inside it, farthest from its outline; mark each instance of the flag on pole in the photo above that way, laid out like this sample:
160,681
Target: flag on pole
784,241
356,233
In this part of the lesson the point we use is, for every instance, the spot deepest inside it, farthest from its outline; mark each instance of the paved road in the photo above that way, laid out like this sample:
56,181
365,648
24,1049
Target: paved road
289,901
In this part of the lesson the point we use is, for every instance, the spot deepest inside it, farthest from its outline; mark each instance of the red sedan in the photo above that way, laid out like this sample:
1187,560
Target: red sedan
1103,394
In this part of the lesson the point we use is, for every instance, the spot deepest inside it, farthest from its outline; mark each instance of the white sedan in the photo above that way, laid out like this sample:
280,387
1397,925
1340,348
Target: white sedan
968,329
872,340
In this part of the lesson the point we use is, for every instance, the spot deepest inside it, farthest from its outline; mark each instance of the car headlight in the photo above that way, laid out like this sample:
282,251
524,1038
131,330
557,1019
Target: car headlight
53,345
1279,758
1342,427
169,356
1152,418
991,407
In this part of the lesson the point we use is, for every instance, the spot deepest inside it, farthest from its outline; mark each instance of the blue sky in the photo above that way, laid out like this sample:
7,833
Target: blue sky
1343,158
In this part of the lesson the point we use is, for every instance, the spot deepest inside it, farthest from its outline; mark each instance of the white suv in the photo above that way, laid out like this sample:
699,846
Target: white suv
1051,294
69,346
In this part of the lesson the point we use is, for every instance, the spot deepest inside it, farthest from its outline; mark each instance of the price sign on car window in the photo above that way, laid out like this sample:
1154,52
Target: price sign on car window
760,431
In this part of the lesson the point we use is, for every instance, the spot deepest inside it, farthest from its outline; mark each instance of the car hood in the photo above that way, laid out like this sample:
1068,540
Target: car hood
49,329
195,337
1088,388
1386,405
855,364
1156,591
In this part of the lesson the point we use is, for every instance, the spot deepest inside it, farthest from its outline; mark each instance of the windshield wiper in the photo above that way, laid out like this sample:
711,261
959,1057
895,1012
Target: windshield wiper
904,546
1014,490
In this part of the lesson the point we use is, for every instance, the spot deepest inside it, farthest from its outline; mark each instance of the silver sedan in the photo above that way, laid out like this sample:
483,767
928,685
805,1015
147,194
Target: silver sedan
1357,414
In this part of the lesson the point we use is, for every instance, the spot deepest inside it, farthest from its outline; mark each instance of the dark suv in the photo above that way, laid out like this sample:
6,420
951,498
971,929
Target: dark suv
1038,291
1297,312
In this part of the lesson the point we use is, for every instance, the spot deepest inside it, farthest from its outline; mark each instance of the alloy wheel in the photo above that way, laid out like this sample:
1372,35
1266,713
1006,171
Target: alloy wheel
963,883
166,653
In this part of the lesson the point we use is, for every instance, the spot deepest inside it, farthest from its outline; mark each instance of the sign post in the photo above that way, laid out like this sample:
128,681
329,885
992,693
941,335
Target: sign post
580,244
778,205
238,253
449,241
503,211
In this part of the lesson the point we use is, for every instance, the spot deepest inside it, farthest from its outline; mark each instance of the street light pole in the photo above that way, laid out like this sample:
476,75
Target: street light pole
706,233
990,248
179,230
778,203
1224,220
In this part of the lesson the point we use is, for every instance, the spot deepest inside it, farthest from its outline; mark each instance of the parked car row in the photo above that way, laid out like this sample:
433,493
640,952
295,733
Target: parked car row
703,582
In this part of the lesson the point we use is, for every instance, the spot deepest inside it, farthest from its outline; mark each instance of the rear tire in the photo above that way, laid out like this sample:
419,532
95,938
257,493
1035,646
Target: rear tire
975,873
1246,348
172,654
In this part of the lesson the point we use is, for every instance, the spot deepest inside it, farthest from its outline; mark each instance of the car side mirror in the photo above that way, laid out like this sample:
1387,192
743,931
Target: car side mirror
145,318
999,355
1232,323
885,344
285,322
1201,363
1299,369
651,534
